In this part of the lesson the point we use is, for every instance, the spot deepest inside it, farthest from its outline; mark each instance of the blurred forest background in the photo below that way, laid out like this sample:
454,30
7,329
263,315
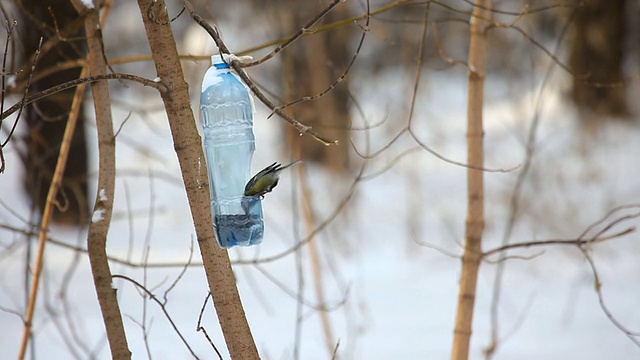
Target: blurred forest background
342,231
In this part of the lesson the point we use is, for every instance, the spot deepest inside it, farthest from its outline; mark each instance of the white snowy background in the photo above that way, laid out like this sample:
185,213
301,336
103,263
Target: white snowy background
390,295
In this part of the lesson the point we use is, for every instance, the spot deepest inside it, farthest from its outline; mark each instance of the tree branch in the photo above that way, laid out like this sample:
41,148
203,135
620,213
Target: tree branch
103,208
47,214
238,67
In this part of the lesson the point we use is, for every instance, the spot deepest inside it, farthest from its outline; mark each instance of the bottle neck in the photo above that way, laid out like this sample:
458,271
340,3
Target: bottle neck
218,63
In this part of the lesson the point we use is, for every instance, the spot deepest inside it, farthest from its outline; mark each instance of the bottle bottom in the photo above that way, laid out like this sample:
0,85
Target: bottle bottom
238,230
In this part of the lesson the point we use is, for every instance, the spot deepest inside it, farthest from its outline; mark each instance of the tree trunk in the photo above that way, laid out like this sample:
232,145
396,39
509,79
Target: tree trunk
475,182
103,208
188,146
597,56
47,118
317,68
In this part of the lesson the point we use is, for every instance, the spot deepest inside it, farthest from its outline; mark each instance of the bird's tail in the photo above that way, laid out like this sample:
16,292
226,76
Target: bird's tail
293,163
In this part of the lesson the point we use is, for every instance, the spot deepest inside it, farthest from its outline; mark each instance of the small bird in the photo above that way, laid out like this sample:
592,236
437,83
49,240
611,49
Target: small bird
265,180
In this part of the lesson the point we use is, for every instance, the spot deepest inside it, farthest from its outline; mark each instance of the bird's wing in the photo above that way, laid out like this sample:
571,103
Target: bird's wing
271,168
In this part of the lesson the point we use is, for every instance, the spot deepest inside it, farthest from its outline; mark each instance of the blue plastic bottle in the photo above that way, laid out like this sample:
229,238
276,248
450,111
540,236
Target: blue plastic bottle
226,112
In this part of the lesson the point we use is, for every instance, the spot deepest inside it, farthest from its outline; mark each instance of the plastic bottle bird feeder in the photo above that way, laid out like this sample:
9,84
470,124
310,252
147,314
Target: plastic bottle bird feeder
226,111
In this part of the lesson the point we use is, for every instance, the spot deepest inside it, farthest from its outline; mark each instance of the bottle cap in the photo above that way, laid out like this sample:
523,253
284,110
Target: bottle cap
216,60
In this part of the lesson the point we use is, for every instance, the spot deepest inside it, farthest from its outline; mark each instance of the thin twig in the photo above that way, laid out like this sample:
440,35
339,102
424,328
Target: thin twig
316,269
634,336
158,85
335,350
306,29
201,328
443,56
391,163
583,242
21,105
320,306
125,262
526,10
329,26
163,308
365,29
181,274
572,242
514,201
3,77
236,65
47,213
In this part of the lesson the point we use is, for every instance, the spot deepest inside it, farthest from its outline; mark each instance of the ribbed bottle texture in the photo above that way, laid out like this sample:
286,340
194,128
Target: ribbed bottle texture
227,119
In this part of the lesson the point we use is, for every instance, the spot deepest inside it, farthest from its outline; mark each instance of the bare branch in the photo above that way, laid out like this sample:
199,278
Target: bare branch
20,107
365,29
47,212
74,83
573,242
634,336
163,308
304,30
236,65
201,328
514,201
